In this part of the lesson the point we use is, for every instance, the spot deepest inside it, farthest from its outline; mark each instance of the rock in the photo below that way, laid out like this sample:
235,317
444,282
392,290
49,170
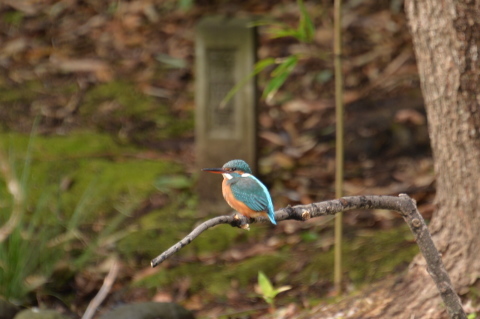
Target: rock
149,310
36,313
7,309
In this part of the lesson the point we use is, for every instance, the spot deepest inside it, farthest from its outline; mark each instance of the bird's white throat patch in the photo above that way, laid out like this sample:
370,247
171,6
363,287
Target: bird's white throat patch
227,176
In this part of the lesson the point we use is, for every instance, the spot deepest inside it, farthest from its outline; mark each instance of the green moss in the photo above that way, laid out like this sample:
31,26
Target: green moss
26,92
115,106
105,178
152,119
79,144
142,245
246,271
156,232
319,267
202,278
13,18
367,257
217,239
216,278
126,94
88,161
381,253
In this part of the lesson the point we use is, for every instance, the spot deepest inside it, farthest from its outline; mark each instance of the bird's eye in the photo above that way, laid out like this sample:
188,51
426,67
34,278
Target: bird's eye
233,169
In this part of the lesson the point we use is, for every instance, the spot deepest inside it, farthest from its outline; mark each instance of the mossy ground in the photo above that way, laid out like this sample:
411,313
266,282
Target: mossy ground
96,169
86,160
114,184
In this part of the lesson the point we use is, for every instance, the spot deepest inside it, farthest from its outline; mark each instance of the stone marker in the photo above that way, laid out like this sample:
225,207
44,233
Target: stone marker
225,55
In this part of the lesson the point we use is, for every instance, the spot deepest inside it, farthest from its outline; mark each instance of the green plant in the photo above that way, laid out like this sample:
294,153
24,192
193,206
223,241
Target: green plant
37,231
21,252
26,259
267,291
304,33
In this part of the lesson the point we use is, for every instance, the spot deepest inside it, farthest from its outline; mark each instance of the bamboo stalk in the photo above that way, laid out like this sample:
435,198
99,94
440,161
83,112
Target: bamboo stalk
337,53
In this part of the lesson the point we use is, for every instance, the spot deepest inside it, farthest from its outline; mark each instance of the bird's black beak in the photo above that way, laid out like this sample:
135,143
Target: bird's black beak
214,170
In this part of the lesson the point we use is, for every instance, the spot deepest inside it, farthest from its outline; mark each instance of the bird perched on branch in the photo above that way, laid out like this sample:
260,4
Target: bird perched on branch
243,191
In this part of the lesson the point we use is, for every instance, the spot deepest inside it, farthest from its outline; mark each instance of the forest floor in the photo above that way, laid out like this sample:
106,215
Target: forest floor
111,87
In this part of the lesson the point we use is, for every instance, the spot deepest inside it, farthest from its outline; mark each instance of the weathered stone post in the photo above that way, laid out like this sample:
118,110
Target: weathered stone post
225,55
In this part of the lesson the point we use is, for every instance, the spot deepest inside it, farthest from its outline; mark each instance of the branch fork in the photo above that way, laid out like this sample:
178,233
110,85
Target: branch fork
402,204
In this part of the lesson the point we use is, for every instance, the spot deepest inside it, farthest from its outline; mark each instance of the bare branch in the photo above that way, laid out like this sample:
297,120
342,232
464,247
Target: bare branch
402,204
300,212
103,292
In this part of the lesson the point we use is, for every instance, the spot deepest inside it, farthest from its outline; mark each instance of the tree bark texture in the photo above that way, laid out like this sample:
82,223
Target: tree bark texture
446,37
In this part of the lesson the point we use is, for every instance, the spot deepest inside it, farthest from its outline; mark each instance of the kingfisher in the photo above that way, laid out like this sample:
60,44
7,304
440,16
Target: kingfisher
243,191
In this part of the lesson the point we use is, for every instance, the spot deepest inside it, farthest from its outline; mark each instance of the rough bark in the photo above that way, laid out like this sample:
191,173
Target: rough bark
446,37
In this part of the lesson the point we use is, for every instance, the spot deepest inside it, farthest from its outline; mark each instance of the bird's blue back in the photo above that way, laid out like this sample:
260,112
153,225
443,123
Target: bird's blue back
249,190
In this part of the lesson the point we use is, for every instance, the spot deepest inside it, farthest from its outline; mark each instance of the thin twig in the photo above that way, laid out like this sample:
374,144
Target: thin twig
402,204
103,292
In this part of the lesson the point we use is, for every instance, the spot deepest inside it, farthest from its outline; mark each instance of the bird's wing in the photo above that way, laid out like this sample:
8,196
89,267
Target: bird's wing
250,191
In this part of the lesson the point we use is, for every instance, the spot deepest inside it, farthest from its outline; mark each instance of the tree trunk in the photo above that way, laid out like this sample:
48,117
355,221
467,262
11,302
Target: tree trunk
446,38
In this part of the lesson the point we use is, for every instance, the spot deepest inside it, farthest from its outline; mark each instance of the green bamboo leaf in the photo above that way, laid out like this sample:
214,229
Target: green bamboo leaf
306,29
259,67
282,33
260,23
273,85
262,64
286,64
279,76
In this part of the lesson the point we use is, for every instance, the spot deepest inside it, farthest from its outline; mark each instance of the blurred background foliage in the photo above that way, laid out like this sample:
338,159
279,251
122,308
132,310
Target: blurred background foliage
109,167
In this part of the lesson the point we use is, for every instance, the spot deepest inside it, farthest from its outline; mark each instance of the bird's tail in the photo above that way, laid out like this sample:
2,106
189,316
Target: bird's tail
271,216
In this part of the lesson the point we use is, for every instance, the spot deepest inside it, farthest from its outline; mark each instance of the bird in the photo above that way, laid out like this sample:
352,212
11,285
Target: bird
244,192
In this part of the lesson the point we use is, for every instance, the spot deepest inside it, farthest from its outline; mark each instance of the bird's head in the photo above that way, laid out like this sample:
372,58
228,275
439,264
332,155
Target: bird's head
231,169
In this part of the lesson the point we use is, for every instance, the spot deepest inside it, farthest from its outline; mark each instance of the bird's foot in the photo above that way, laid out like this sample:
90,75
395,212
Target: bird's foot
245,226
241,222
